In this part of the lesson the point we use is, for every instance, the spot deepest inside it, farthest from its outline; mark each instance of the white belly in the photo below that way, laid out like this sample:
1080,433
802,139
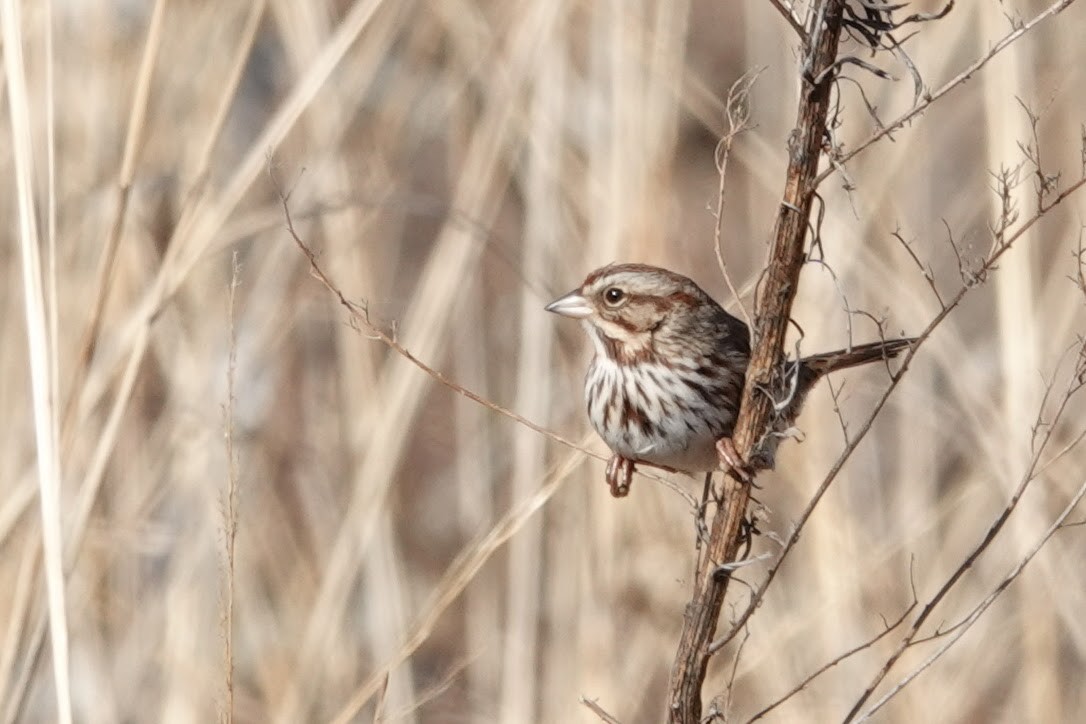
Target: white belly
671,428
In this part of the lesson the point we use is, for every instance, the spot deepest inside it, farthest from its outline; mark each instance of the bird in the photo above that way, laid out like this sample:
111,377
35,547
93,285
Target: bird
666,381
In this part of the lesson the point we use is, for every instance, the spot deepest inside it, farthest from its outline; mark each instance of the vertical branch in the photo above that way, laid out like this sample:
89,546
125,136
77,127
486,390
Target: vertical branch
774,306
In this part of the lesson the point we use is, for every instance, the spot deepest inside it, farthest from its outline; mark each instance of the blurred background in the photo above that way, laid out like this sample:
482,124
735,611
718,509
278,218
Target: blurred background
456,165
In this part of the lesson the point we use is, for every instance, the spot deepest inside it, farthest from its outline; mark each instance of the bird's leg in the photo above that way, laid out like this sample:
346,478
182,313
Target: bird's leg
619,474
732,461
699,523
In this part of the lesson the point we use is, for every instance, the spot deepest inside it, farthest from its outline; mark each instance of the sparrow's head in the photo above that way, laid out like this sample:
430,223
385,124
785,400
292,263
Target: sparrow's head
624,306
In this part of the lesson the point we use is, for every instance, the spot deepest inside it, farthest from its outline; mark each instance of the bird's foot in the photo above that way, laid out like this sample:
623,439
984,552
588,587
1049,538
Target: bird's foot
732,462
619,474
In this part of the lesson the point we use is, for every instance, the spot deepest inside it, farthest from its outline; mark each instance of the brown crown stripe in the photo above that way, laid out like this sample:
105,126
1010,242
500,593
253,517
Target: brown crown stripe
619,269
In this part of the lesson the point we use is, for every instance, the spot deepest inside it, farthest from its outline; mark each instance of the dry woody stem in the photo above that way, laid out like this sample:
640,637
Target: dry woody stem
772,314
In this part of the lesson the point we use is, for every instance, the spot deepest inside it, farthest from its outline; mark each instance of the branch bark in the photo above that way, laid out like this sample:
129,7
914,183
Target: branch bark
772,314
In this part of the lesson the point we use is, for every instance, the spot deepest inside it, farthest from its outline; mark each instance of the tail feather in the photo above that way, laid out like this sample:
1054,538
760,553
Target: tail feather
823,364
811,369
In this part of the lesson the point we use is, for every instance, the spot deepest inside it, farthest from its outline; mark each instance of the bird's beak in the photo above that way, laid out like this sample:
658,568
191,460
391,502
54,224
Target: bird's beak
571,305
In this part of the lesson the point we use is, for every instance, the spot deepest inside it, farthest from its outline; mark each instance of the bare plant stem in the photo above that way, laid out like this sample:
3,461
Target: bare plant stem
230,506
772,314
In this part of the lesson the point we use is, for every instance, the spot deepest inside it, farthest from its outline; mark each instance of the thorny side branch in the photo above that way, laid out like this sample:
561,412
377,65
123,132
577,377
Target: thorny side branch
957,631
1075,385
1043,430
969,281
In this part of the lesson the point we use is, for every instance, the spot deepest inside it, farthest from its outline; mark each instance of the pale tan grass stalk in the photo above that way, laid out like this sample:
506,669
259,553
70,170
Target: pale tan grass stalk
460,573
478,462
618,174
204,219
16,503
1006,126
430,694
668,25
22,600
137,117
453,258
304,28
20,685
42,365
208,212
139,323
521,691
227,98
171,275
52,302
384,571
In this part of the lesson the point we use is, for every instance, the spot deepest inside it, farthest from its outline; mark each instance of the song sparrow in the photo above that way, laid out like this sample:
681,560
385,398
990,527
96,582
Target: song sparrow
665,384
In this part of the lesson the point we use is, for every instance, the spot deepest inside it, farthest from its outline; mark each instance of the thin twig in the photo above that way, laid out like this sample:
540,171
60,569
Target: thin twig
1028,476
958,80
735,671
980,608
887,629
42,365
737,112
789,15
793,537
925,271
599,711
359,318
359,314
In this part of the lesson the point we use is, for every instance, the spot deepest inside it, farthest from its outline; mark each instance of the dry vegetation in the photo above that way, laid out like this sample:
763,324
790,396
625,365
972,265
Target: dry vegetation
268,512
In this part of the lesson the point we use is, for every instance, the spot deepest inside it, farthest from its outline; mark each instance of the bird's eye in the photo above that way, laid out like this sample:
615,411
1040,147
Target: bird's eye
614,296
